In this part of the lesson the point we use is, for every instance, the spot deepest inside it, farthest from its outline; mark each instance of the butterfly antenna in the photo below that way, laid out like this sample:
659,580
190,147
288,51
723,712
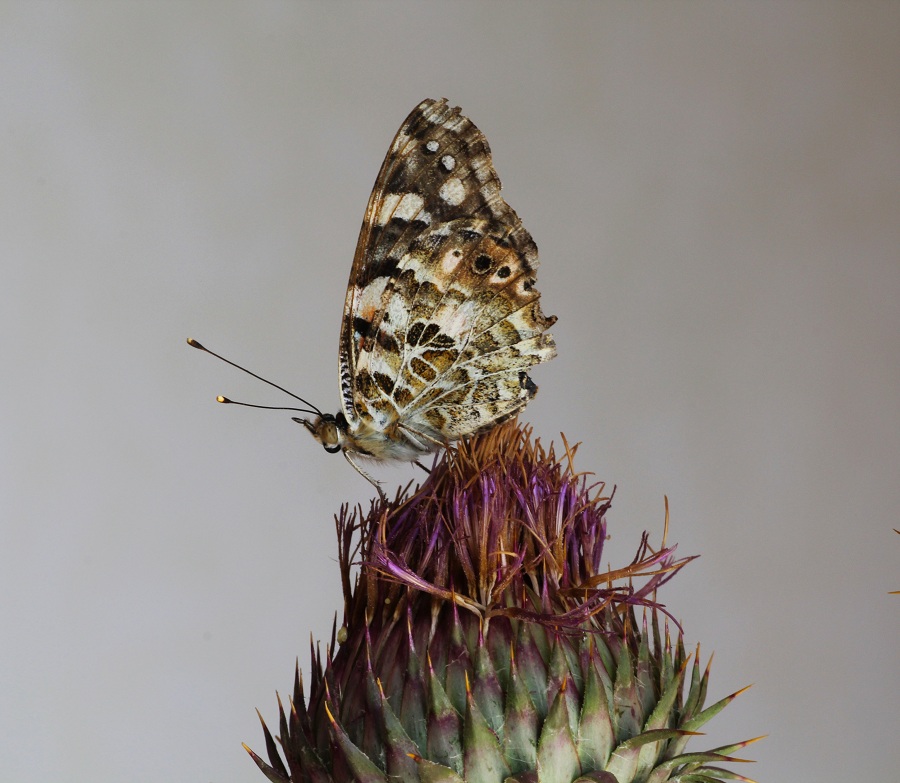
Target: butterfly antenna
229,401
311,409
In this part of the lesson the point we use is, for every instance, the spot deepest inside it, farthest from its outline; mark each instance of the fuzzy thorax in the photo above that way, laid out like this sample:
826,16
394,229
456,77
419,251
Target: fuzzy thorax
394,442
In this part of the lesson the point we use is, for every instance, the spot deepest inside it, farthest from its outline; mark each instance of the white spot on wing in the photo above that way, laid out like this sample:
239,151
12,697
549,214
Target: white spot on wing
448,162
453,192
490,191
462,319
410,206
449,262
387,208
405,207
455,124
369,299
432,146
482,169
398,311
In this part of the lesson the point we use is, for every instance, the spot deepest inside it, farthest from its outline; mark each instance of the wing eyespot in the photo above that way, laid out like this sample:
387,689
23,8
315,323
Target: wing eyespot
482,264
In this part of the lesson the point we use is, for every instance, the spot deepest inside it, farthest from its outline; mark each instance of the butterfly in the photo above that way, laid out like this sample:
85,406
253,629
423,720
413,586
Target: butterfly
442,319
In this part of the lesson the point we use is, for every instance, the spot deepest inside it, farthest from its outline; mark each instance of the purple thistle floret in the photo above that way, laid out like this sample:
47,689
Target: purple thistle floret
522,519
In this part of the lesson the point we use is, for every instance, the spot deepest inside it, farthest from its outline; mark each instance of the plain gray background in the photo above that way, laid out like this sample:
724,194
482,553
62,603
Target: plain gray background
715,190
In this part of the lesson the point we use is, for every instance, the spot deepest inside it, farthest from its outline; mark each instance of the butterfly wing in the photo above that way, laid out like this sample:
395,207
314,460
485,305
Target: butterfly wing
442,319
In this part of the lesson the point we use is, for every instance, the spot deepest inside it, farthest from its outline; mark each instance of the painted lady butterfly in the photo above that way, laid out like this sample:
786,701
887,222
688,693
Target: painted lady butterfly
442,319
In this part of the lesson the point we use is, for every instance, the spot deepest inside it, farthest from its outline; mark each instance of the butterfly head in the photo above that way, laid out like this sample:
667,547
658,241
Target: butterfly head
328,430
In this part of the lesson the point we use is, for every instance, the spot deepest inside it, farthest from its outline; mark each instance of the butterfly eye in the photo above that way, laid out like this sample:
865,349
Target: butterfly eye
325,430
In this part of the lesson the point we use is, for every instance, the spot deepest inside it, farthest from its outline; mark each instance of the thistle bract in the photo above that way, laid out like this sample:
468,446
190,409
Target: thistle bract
483,641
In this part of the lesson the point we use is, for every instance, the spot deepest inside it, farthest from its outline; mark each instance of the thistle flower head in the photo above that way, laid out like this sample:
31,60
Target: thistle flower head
484,641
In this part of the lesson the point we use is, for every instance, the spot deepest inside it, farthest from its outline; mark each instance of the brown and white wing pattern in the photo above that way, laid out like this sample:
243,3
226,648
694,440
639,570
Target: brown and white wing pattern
442,318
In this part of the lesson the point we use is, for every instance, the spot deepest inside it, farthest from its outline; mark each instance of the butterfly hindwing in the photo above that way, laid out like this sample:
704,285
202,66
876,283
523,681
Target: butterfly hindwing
442,319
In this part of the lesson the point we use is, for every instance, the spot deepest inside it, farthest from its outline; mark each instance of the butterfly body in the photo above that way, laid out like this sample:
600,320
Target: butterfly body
371,441
442,319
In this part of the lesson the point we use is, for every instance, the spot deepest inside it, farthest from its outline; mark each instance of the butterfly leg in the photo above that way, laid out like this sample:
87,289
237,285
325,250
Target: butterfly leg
366,476
427,470
423,440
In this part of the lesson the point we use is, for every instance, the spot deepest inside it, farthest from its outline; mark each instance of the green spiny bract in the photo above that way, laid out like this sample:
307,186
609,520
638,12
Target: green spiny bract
484,643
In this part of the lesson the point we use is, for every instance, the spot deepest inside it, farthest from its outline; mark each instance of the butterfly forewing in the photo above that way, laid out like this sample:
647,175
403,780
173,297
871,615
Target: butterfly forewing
442,319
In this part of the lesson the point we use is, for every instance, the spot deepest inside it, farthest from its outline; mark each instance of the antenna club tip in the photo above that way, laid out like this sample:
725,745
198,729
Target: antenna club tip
220,398
194,344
